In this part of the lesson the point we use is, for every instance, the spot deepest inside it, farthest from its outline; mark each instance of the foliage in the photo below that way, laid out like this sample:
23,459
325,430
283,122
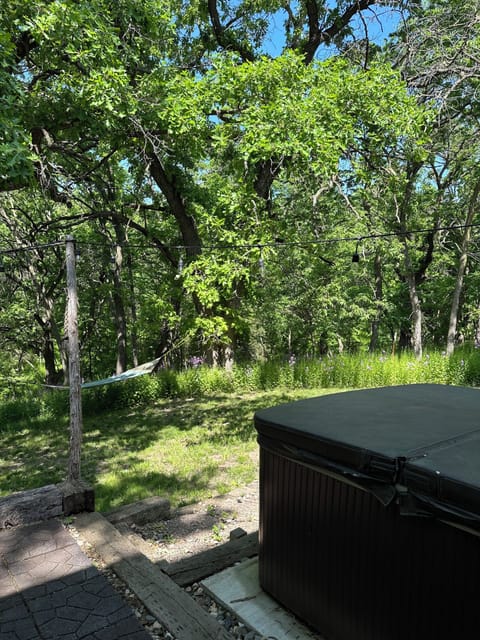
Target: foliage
218,185
16,166
130,454
183,147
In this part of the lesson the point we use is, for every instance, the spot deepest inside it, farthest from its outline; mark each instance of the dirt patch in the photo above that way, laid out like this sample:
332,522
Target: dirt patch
196,528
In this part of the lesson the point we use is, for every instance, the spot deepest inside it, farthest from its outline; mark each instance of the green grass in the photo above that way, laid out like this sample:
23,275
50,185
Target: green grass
184,449
187,435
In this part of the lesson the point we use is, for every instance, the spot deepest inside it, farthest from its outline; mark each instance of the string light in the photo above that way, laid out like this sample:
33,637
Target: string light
356,255
261,264
255,245
179,268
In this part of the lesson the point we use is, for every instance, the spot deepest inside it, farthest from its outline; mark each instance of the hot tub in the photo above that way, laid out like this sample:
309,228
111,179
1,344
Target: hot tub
370,512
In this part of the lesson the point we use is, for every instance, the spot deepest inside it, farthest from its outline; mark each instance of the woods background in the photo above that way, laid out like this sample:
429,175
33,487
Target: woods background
220,163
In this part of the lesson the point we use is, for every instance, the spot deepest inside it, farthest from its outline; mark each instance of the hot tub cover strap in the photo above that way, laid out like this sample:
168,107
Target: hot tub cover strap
383,491
410,502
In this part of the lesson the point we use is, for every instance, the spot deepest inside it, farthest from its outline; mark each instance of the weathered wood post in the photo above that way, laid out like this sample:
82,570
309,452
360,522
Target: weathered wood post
77,496
73,365
73,495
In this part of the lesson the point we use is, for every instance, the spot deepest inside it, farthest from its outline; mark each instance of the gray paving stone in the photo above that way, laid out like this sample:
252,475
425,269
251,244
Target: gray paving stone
19,630
18,612
72,613
35,592
97,585
91,624
119,615
42,617
49,590
113,604
81,576
58,627
127,627
9,603
112,633
7,587
44,603
84,600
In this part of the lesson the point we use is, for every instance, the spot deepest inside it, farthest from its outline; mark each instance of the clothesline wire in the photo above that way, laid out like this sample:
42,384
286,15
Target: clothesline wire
253,245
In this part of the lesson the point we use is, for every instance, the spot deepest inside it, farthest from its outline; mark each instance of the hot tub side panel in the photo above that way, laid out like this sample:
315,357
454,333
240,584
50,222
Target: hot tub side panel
353,569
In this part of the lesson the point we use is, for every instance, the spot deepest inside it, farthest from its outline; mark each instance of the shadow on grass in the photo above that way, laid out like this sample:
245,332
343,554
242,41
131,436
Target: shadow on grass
178,448
131,486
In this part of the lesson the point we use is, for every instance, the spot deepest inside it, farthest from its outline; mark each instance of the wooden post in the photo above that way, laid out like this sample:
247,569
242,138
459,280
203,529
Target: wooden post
73,365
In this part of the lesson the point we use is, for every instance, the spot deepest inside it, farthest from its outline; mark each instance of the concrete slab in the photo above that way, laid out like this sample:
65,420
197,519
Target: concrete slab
237,588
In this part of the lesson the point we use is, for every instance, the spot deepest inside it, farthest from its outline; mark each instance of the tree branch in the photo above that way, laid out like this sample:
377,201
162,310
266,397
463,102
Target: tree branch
317,36
221,36
186,222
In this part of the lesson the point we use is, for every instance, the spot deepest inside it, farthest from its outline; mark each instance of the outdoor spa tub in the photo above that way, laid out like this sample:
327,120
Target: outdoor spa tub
370,512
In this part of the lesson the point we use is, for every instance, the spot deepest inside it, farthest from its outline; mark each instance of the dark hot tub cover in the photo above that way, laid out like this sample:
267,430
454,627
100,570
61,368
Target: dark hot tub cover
418,445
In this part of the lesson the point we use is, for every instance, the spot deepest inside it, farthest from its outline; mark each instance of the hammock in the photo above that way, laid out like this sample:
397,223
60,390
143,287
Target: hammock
141,370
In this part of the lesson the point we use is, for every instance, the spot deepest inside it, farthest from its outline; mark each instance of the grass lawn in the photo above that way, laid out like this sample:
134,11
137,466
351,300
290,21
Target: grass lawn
186,450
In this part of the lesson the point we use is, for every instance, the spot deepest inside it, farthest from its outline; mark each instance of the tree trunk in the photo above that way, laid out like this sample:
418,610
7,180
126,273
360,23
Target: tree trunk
404,339
51,374
477,328
48,350
118,303
412,276
416,316
462,265
132,306
377,270
165,348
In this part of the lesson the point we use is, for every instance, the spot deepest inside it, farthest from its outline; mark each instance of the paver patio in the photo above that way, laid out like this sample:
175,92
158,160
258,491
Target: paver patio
49,590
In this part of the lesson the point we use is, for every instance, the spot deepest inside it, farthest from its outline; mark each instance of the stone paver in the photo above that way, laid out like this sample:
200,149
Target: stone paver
49,590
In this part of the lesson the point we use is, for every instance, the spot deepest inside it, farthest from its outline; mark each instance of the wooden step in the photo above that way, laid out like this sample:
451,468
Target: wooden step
164,599
206,563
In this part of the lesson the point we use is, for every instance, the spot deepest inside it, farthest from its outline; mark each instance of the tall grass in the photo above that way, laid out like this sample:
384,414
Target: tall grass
339,371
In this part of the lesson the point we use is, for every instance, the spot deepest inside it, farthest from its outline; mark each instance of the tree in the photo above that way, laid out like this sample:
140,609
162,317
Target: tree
437,50
209,133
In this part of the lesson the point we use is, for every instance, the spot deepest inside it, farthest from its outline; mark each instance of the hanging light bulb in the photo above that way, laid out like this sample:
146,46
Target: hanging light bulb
178,275
261,265
356,255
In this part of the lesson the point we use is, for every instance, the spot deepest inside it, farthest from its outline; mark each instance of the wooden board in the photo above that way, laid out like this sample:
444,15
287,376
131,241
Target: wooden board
201,565
141,512
26,507
165,600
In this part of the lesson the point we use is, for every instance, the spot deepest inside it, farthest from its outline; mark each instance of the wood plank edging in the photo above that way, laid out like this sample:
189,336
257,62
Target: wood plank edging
206,563
165,600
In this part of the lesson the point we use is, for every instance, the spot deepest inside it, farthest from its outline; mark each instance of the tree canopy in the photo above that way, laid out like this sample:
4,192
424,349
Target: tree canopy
219,163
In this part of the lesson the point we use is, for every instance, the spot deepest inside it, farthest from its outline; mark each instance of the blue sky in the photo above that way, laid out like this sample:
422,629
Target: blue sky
380,22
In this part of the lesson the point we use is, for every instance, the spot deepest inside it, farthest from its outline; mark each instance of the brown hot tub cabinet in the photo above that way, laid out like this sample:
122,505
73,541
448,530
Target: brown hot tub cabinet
370,512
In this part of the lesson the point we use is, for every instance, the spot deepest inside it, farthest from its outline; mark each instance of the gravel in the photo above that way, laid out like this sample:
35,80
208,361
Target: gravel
189,531
236,628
